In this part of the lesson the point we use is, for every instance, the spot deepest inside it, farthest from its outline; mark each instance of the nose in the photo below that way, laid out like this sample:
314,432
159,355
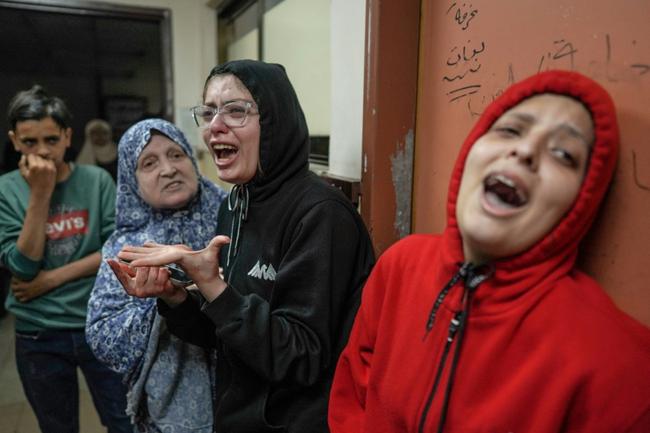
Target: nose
42,150
527,150
217,125
167,168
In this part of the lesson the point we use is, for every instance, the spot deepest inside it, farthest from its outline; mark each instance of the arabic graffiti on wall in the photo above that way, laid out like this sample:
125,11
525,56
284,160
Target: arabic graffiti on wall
463,81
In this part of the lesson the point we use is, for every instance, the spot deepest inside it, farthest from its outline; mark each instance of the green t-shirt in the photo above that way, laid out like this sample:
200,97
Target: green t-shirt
81,218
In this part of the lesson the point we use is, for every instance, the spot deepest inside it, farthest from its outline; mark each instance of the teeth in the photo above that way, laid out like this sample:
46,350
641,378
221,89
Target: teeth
492,183
505,180
224,147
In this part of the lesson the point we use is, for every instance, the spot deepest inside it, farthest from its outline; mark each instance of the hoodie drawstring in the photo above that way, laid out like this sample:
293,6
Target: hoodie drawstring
238,204
443,293
472,276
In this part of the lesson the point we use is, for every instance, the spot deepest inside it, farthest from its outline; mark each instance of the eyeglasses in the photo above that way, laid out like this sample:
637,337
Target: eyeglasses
233,114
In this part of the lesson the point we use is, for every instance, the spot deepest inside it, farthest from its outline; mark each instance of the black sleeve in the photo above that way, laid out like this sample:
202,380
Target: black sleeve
315,296
187,322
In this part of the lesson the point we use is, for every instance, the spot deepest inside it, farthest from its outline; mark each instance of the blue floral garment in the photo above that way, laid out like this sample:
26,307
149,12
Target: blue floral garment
125,332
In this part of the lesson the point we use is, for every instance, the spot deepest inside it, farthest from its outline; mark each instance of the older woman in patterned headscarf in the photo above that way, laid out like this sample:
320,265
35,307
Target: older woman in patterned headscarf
161,197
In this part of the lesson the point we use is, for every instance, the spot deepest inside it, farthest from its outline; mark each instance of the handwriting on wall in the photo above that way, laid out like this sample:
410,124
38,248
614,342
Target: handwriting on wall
463,61
463,69
635,172
462,14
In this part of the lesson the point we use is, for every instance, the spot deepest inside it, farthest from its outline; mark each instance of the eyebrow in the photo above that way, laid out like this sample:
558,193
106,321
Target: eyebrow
143,156
30,137
567,127
211,104
147,152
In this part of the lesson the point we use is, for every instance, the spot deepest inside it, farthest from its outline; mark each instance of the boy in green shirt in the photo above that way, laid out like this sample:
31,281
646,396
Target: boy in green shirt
54,218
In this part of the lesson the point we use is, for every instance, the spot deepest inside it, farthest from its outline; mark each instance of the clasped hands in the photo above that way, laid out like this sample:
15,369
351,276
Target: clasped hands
145,275
26,290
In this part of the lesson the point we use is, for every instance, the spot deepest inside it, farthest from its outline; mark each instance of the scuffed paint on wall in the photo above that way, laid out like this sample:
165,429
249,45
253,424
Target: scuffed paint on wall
402,172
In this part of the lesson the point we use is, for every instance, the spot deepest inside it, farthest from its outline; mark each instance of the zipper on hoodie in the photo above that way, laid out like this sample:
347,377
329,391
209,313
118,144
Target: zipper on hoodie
472,279
239,207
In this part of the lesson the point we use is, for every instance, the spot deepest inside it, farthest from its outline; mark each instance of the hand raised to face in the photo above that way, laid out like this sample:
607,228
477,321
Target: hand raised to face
39,173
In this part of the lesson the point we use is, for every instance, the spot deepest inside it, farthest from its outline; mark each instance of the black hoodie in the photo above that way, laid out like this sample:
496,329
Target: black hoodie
297,261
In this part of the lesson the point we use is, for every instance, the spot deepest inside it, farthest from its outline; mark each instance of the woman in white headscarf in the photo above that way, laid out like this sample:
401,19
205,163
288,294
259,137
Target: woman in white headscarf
99,148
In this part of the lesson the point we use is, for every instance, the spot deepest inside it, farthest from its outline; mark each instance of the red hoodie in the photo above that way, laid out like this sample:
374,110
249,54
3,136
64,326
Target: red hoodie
536,347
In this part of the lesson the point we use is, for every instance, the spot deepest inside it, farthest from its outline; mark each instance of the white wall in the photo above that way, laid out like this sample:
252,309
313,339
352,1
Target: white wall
244,48
297,35
326,66
348,23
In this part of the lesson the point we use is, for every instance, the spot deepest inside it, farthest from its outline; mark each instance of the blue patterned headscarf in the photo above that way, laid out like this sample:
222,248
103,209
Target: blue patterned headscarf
134,217
164,374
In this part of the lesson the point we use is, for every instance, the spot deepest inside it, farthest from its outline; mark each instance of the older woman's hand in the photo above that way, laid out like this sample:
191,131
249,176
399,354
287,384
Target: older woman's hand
147,282
201,266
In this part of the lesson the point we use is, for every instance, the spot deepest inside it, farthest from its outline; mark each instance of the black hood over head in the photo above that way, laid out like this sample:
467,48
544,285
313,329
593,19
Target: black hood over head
284,136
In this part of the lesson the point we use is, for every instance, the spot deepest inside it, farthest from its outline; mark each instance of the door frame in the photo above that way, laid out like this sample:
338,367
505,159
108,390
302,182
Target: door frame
389,113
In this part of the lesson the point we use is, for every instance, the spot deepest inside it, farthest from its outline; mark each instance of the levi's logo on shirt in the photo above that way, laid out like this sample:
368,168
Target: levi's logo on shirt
66,224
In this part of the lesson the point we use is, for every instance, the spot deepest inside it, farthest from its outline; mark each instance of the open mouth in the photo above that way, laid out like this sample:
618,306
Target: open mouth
501,190
173,185
224,151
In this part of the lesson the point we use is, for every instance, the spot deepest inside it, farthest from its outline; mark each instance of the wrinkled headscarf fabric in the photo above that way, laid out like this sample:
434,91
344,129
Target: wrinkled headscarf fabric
170,383
135,219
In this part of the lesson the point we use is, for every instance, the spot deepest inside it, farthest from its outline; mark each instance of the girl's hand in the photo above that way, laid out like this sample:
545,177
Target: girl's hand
201,266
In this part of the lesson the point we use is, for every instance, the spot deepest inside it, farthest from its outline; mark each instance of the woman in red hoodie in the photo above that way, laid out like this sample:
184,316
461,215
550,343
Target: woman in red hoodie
489,327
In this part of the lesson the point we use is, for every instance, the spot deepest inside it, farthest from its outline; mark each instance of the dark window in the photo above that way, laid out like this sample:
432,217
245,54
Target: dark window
90,54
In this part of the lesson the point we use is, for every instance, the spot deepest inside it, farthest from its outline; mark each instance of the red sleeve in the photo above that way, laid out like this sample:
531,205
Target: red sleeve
641,425
347,406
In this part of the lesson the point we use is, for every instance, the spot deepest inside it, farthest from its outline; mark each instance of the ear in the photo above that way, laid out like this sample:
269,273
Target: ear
14,140
67,133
